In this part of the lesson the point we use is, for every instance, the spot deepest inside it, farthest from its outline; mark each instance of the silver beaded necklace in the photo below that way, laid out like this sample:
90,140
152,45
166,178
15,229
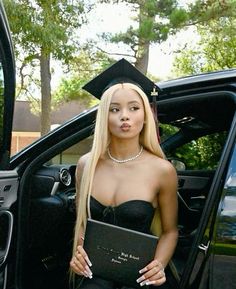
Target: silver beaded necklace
125,160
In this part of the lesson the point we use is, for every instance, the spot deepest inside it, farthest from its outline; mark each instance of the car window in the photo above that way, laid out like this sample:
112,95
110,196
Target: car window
202,153
26,121
72,154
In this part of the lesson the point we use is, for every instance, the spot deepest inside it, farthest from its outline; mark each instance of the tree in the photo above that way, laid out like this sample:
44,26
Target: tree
215,50
42,31
154,21
85,66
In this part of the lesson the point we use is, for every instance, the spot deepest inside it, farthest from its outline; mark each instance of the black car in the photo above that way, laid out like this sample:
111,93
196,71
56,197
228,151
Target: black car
37,185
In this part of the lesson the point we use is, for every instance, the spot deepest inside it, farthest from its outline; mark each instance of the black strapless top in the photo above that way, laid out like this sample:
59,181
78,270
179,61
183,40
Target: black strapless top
134,214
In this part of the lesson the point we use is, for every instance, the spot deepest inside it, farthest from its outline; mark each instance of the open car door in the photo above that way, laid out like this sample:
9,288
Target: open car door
8,179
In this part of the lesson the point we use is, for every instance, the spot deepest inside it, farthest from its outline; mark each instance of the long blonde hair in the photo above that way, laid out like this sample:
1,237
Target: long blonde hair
148,138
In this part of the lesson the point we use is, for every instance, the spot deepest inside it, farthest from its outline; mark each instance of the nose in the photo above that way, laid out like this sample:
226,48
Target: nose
124,116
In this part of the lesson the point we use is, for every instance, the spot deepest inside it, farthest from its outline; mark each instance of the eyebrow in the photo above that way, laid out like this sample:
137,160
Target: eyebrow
130,102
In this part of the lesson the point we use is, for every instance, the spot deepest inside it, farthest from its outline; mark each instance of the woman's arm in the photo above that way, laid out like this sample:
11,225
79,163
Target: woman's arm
80,262
168,206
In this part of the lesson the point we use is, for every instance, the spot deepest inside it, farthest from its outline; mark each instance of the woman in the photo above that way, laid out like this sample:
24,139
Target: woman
126,170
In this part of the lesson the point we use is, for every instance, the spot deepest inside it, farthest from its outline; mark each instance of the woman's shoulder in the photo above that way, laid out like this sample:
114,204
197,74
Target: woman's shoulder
162,165
83,159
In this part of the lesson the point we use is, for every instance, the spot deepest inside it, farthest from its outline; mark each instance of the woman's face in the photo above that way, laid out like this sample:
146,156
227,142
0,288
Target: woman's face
126,114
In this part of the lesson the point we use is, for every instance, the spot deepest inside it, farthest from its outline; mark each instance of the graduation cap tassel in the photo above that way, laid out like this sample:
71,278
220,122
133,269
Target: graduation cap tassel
154,95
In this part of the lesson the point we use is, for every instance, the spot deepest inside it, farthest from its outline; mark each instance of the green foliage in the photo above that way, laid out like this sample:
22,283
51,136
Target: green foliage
146,29
178,17
210,148
167,130
204,153
188,62
42,31
216,49
84,67
48,24
202,11
42,27
153,20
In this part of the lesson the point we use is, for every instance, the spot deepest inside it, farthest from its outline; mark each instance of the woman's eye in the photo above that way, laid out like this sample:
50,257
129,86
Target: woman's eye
114,109
133,108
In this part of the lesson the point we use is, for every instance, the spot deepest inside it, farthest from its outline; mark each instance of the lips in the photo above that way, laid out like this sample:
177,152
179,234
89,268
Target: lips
125,126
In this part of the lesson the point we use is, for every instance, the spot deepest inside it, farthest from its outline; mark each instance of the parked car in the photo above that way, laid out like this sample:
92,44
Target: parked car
37,185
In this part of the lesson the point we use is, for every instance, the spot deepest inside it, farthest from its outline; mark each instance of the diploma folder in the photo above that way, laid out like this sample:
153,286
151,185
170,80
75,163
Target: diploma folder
117,253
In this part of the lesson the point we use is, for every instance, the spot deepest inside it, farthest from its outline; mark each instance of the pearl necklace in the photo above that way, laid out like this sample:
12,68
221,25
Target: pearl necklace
125,160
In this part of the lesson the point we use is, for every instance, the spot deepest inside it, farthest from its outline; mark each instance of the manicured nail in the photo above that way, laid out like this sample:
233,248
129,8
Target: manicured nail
143,283
88,274
140,279
88,270
150,282
143,270
88,261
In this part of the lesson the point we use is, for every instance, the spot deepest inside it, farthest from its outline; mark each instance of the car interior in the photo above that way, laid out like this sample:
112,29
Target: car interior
47,188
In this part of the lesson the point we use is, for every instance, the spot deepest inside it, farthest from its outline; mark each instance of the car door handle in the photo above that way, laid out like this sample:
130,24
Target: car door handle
198,198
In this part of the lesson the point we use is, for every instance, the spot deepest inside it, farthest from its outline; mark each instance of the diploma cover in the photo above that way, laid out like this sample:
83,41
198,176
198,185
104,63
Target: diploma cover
117,253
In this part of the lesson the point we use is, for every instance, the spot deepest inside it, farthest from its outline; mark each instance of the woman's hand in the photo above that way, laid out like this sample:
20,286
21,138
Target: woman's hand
80,263
154,274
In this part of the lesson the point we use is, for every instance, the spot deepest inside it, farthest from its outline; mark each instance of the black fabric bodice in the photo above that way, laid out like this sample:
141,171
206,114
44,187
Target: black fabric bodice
134,214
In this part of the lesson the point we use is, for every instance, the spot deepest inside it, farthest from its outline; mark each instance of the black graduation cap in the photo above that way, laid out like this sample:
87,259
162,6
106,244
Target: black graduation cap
120,72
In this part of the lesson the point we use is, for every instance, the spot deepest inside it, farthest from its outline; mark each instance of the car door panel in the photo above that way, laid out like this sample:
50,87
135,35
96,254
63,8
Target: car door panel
193,189
192,193
51,223
8,188
8,195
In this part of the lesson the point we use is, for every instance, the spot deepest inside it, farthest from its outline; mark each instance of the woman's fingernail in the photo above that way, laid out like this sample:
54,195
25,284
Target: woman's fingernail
143,283
140,279
150,282
88,274
143,270
88,261
88,270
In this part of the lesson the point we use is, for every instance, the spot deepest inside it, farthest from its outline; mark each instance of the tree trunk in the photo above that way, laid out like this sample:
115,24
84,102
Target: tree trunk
45,93
143,57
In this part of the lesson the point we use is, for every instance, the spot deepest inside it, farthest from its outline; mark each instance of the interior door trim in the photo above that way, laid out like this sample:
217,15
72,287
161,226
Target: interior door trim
5,251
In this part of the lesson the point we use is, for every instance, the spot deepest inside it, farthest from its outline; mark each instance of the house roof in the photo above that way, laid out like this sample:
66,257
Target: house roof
25,120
